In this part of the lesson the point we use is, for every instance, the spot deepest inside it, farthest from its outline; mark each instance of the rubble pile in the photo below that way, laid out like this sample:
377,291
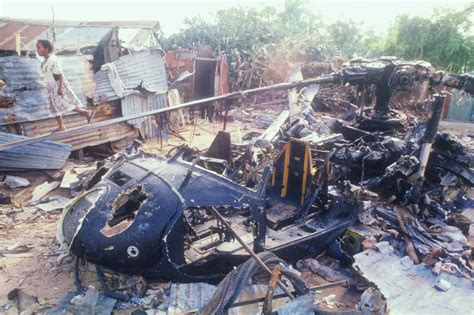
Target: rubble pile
333,203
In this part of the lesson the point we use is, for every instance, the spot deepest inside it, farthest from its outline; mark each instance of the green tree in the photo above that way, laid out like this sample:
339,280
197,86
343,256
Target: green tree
446,40
346,37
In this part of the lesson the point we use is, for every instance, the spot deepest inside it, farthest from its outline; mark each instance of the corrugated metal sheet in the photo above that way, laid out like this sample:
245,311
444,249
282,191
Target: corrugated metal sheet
461,107
185,54
28,33
145,66
46,155
188,297
221,80
78,71
139,103
73,38
122,24
103,112
25,83
100,136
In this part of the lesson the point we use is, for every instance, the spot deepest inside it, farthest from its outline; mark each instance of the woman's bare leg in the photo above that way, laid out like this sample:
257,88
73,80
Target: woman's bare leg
82,111
60,121
88,113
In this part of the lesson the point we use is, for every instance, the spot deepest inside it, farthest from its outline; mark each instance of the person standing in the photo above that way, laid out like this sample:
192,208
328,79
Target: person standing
60,96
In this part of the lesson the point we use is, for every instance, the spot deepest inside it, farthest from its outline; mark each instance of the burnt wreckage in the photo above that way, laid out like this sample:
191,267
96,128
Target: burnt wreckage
291,190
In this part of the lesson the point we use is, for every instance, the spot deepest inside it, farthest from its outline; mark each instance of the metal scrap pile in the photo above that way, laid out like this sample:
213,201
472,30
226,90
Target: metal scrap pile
385,202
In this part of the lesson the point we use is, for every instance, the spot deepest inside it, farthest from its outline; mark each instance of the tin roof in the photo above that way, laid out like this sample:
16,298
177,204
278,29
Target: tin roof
25,84
71,36
28,33
123,76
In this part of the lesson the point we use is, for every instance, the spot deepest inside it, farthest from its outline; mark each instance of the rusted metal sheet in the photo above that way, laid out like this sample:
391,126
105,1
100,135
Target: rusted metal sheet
177,62
103,112
72,36
185,54
180,60
28,33
25,85
221,81
75,38
103,135
144,102
46,155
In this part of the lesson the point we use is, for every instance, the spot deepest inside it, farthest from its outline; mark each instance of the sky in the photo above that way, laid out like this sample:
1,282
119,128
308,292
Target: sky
375,14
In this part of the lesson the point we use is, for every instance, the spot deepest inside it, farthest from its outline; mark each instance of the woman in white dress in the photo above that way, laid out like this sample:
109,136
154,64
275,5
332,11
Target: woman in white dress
60,96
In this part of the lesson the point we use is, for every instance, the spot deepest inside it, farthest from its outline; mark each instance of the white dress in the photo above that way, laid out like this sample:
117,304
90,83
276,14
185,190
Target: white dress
59,104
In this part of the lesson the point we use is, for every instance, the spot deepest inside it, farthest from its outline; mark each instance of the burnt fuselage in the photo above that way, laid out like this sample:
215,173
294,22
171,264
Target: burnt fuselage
148,216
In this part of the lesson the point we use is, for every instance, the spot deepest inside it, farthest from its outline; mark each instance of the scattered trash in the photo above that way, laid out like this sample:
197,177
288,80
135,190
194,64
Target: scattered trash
329,300
372,302
90,302
4,199
52,203
302,305
16,181
443,285
72,176
385,201
413,290
315,267
16,250
24,302
43,189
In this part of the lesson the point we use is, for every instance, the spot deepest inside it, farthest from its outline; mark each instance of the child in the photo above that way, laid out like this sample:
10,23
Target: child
60,96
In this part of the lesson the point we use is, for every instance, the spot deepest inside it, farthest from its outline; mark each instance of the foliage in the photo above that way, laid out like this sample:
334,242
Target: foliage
248,29
249,35
446,39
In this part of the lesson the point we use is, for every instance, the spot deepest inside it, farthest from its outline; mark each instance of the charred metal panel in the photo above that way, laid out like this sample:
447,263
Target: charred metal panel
136,244
148,229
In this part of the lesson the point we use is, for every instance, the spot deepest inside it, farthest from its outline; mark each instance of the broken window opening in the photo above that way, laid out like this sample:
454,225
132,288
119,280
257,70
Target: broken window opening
119,178
126,205
97,177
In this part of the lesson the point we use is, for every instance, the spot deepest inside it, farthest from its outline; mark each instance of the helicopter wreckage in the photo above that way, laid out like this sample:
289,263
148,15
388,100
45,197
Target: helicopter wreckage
154,216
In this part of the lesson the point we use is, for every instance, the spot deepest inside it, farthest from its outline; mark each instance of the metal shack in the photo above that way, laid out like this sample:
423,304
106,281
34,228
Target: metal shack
130,49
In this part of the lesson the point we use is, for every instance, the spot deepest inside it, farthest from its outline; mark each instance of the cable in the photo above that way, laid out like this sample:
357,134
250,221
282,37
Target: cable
106,289
77,280
232,285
